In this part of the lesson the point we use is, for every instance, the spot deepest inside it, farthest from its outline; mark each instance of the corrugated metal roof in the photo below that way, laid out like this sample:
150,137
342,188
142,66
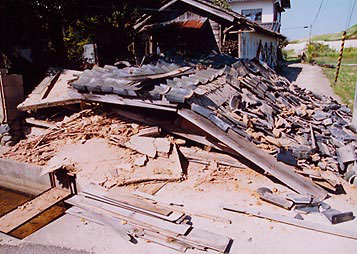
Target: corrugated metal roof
183,24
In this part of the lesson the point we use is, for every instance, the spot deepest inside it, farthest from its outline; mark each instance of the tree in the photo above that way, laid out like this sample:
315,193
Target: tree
222,3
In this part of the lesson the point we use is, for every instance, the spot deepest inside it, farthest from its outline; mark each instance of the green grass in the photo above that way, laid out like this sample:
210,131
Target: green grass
345,86
289,55
351,34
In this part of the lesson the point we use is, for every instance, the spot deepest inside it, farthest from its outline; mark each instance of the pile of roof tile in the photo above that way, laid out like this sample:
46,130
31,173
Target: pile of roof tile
305,130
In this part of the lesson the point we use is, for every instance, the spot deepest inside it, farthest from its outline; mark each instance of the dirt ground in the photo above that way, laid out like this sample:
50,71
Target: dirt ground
207,190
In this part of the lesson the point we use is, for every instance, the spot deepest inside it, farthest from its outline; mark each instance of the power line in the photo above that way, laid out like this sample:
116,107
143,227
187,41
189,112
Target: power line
318,12
350,15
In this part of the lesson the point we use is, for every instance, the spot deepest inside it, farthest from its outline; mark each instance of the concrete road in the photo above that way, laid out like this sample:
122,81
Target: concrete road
336,45
37,249
311,78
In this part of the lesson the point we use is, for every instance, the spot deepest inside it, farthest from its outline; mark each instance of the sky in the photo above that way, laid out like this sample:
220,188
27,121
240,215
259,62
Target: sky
333,17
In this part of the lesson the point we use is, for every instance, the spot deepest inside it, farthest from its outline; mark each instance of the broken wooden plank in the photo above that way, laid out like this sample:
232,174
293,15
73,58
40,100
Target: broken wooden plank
136,205
276,199
91,204
41,123
327,229
179,207
262,159
201,155
31,209
150,132
208,239
122,229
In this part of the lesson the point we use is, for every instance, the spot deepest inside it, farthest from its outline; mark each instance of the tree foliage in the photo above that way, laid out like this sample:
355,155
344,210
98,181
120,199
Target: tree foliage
56,30
222,3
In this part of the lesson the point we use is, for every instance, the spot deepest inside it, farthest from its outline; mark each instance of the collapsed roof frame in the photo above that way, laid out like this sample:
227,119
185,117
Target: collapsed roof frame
231,18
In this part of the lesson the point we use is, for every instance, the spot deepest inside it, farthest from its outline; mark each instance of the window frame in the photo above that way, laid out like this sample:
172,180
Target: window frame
251,12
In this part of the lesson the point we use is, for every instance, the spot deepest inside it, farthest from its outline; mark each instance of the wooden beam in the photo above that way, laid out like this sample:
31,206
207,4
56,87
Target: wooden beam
260,158
210,9
201,155
31,209
40,123
327,229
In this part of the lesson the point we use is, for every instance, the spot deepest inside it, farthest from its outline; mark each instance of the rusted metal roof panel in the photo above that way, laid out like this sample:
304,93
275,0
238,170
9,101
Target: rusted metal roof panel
177,24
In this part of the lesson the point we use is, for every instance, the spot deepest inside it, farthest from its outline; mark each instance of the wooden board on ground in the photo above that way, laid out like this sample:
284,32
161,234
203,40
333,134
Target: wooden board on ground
135,205
328,229
31,209
128,215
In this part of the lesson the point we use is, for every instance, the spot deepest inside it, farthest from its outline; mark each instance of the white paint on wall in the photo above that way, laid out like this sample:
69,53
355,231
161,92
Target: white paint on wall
266,5
249,43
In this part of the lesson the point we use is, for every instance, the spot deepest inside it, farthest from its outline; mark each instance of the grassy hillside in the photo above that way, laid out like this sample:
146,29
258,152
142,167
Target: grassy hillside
351,34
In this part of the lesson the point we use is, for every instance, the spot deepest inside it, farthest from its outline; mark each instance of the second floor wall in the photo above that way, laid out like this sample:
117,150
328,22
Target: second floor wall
261,10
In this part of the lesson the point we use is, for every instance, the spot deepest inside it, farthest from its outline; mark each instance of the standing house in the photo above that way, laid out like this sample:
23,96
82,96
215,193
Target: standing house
265,12
195,27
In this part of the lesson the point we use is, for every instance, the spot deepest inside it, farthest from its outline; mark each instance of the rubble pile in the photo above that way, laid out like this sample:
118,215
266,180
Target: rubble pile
302,129
211,117
80,127
5,135
305,130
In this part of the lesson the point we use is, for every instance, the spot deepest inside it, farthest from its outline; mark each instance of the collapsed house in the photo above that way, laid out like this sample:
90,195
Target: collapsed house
194,27
213,109
241,109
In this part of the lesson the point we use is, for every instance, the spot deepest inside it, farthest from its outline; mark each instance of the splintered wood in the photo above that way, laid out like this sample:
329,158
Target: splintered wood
79,127
147,219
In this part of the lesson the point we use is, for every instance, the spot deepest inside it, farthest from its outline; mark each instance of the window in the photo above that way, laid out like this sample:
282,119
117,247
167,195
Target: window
253,14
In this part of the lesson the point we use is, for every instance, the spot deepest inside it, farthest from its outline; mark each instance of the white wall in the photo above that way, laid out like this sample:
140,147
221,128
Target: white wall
249,43
266,5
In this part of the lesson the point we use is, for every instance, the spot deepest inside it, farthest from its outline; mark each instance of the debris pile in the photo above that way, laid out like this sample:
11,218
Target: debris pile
304,204
224,113
241,105
143,216
81,126
304,130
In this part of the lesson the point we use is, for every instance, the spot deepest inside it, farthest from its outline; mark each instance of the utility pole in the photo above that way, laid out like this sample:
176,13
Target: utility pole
310,34
340,56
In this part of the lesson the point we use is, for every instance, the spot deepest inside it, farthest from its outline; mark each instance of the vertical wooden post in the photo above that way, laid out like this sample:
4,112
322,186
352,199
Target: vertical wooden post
340,56
3,102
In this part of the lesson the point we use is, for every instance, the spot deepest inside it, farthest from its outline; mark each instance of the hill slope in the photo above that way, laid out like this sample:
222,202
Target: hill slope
351,34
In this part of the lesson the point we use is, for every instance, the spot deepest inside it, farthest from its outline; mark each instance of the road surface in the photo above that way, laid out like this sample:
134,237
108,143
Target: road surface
311,78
